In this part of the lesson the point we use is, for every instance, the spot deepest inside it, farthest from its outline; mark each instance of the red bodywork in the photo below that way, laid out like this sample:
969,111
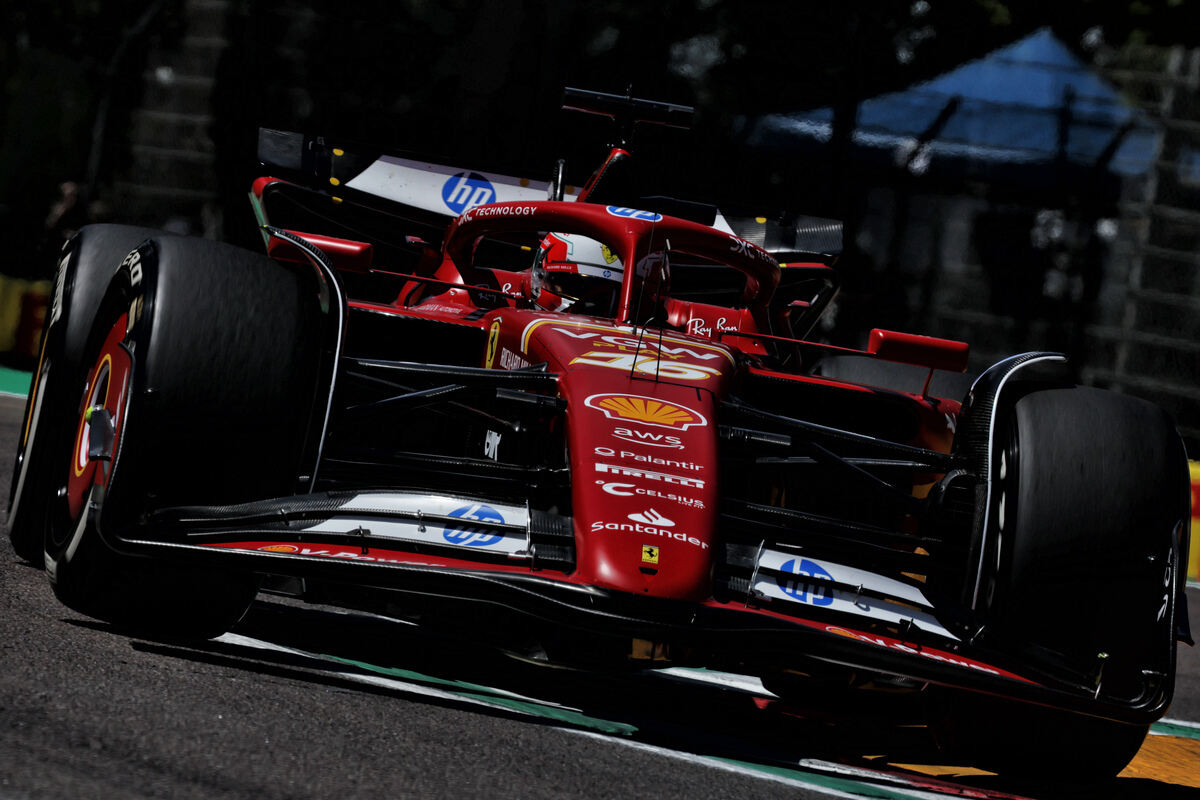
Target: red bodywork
641,401
641,391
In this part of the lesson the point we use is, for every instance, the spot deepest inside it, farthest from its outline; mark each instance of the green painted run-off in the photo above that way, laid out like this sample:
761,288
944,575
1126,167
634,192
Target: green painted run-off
14,381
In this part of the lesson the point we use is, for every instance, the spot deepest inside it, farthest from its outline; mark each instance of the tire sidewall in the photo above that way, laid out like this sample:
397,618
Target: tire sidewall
75,555
85,270
1091,501
214,368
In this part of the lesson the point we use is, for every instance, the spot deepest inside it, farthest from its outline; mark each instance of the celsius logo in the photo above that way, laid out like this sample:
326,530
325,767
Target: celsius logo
630,489
802,568
652,517
467,190
474,537
633,213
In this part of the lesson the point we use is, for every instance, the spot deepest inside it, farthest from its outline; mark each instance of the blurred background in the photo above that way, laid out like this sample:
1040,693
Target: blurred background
1019,174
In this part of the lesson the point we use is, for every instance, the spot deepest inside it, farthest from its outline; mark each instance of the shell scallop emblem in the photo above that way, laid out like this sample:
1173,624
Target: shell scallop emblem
646,411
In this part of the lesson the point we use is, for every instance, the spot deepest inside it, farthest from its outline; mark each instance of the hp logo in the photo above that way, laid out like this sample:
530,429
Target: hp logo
474,537
633,213
805,587
467,190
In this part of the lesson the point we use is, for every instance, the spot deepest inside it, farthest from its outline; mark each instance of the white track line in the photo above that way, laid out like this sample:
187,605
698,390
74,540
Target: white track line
817,766
724,679
1183,723
350,672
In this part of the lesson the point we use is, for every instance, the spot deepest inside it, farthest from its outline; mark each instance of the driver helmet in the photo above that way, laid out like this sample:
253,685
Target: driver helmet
576,273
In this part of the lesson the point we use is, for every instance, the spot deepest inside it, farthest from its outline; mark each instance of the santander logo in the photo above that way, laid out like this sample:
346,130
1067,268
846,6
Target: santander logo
652,517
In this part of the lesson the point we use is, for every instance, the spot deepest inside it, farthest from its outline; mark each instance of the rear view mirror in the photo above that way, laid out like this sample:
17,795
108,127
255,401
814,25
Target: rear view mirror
921,351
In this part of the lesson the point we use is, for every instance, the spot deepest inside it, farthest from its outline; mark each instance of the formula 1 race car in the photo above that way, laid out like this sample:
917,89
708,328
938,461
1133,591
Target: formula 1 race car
593,425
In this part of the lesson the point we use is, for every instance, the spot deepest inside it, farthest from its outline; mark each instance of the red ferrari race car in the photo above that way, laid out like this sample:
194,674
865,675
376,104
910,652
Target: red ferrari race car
593,427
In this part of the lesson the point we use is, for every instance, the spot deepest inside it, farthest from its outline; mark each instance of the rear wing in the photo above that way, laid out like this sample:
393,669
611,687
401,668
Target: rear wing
437,192
441,189
792,239
626,111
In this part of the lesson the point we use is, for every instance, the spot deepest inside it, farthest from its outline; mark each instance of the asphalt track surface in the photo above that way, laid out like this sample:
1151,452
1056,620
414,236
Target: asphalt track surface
307,702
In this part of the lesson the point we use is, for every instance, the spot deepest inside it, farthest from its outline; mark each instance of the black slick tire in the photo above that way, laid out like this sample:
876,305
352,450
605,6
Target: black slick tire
88,263
203,364
1084,579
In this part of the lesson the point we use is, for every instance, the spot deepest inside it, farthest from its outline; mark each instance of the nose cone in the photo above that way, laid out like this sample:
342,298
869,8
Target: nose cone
644,486
643,448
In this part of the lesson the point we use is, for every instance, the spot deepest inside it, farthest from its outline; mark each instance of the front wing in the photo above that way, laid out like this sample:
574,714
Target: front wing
519,559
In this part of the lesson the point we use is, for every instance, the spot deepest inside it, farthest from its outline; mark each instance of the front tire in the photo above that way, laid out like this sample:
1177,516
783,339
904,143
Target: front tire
1093,492
89,261
1083,577
202,366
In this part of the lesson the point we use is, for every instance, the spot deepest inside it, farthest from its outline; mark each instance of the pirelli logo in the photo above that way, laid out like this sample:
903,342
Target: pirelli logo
634,472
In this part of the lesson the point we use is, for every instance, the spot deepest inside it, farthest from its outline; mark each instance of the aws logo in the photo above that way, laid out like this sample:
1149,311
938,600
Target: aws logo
467,190
646,411
652,438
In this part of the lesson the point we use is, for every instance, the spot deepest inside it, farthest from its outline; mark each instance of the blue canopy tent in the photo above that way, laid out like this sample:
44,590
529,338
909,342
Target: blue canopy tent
1031,112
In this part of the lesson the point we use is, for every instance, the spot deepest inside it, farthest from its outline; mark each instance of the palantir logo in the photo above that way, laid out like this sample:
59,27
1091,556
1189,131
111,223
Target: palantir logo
467,190
474,537
804,586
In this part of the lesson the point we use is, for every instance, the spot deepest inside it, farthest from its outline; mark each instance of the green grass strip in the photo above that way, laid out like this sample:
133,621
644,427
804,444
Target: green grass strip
14,381
1173,729
484,694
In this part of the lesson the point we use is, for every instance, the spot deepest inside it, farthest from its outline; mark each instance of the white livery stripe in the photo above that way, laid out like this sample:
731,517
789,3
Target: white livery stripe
422,185
414,505
794,578
465,536
835,599
850,576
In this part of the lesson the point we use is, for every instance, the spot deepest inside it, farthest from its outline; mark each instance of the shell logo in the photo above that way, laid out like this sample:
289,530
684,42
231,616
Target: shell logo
280,548
646,410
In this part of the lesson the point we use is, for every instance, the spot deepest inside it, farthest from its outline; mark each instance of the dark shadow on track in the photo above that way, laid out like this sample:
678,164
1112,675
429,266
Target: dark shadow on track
679,715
